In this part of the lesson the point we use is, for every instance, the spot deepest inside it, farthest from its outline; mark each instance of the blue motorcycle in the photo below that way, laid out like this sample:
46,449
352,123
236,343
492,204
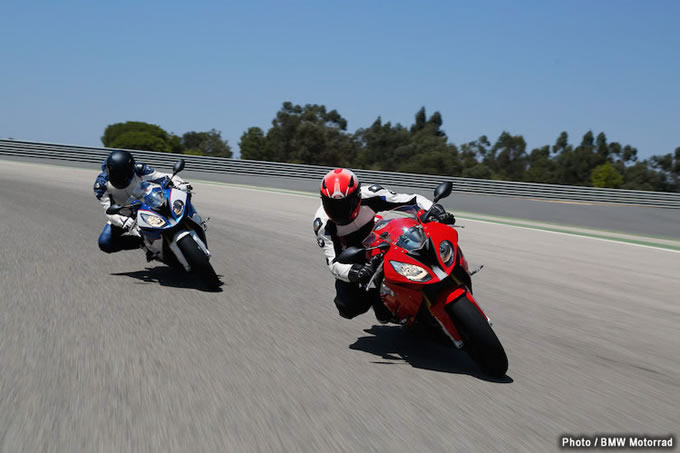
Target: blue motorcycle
170,227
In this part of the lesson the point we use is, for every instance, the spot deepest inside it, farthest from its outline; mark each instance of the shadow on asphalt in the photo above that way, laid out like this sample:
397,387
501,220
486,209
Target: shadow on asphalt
397,345
167,276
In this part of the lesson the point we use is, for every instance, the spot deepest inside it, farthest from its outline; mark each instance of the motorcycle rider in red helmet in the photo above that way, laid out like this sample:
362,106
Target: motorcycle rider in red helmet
345,218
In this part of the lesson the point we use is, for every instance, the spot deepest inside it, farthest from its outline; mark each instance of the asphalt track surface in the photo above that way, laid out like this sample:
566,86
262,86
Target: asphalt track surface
110,353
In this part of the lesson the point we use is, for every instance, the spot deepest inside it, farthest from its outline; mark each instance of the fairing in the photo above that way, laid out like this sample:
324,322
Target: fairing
165,212
404,297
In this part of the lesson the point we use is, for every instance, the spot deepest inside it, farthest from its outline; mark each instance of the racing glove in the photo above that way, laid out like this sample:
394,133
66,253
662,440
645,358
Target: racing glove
440,215
362,273
127,222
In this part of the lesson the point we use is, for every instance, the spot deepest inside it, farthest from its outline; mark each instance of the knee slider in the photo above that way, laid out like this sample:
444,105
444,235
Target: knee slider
105,246
345,311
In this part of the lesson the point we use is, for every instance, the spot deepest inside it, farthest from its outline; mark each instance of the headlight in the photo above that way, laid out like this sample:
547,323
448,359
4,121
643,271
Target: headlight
446,252
153,220
411,271
178,207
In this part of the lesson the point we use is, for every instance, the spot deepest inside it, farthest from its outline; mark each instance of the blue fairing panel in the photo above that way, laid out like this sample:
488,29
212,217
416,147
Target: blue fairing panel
190,211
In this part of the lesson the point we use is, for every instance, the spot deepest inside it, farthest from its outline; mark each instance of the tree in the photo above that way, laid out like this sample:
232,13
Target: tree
208,143
606,175
424,126
138,135
378,144
541,167
574,165
615,151
601,146
311,135
314,135
254,145
140,141
507,158
640,176
421,120
629,154
469,155
423,148
441,161
668,166
561,144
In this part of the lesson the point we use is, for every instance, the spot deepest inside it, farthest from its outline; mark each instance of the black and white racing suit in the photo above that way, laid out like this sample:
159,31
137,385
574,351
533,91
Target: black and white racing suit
113,237
350,299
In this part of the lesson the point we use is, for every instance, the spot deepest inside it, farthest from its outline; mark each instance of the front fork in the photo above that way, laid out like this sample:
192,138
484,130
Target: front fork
438,310
178,253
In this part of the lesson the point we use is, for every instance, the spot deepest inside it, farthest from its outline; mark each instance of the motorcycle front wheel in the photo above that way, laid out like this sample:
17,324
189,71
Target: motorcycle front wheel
200,265
479,339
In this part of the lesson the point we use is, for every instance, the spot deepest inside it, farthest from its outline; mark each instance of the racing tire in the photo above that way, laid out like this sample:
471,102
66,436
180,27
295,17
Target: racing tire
200,265
479,339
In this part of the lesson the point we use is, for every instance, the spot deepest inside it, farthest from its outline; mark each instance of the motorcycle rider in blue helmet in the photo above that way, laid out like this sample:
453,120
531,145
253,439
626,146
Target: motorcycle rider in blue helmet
120,176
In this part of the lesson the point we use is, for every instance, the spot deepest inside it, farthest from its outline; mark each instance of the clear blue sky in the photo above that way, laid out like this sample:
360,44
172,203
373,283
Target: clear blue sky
70,68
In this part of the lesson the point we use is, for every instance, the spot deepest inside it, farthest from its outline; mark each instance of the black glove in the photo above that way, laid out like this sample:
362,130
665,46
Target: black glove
440,215
362,273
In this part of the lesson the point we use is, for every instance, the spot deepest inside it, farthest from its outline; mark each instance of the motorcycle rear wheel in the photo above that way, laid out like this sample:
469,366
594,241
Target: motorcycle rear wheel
200,265
479,339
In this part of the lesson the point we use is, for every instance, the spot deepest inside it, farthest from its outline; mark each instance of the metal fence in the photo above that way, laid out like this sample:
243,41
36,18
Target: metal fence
260,168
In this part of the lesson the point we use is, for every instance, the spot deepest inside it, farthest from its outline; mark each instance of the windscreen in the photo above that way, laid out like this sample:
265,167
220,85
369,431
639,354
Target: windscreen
413,239
402,212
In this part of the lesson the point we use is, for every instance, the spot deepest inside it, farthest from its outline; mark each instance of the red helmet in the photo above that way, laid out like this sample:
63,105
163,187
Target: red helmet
341,195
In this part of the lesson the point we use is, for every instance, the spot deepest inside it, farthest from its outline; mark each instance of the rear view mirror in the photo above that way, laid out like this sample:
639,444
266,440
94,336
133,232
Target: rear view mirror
179,166
351,255
443,190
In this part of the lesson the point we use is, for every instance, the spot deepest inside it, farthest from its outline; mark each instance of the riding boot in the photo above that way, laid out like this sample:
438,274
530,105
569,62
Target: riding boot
130,242
382,313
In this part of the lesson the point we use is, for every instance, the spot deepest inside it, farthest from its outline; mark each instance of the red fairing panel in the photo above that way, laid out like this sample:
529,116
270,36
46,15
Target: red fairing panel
440,313
445,299
403,301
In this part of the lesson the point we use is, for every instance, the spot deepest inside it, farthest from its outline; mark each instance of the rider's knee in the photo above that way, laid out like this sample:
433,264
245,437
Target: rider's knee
105,246
106,241
349,311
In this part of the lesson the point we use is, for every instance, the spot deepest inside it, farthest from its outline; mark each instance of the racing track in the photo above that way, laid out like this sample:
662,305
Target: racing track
109,353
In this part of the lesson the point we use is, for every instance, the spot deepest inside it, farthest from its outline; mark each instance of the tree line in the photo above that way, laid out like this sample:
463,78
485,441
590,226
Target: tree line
312,134
149,137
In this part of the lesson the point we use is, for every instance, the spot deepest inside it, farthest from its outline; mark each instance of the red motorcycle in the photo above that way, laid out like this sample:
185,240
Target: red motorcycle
424,279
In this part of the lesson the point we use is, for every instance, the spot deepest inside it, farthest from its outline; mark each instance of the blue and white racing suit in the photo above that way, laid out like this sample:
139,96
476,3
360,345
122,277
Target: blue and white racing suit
114,238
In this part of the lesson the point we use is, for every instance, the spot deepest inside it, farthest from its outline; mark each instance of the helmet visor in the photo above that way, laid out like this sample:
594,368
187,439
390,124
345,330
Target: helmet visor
342,210
121,177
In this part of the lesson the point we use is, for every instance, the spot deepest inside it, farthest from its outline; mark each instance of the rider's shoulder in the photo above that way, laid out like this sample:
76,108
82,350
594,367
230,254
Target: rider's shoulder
100,184
143,169
320,220
321,215
375,190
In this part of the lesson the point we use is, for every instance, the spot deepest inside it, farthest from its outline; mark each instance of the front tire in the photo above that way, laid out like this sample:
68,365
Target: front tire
479,339
200,265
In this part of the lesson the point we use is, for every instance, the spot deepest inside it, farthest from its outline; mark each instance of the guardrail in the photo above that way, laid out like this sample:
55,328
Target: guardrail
261,168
